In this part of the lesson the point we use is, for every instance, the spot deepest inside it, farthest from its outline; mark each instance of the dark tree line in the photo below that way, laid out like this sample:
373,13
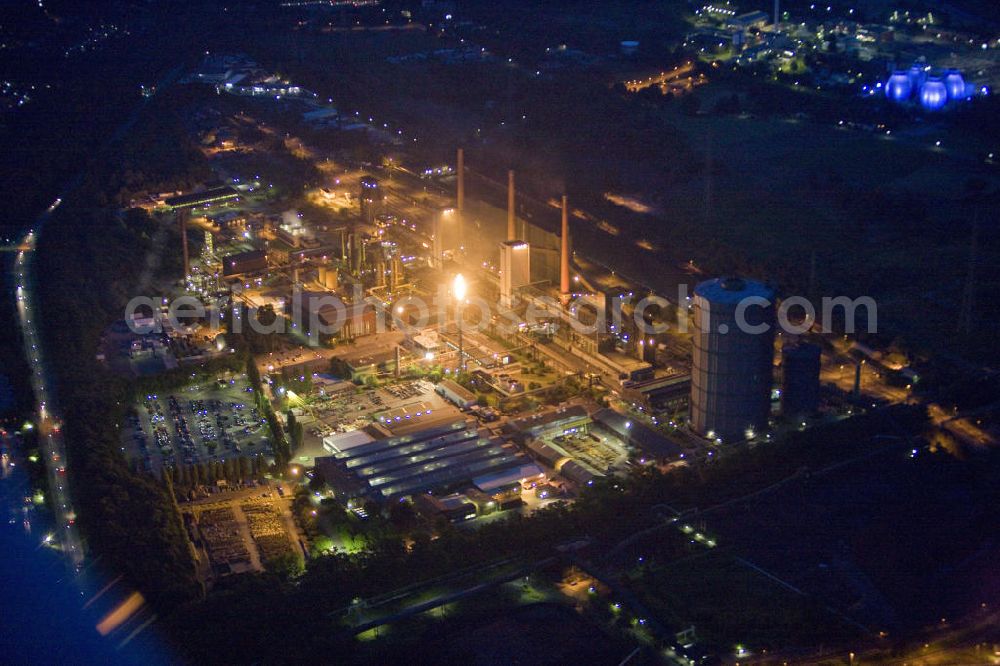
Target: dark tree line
129,520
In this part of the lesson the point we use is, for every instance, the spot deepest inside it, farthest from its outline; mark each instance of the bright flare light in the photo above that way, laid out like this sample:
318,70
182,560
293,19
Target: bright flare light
459,287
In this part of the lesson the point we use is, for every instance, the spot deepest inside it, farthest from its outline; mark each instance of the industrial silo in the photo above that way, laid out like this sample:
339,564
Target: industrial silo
917,75
800,365
955,84
898,87
933,94
733,357
331,282
321,274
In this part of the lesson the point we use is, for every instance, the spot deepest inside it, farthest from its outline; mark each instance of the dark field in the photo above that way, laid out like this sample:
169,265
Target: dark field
539,634
896,541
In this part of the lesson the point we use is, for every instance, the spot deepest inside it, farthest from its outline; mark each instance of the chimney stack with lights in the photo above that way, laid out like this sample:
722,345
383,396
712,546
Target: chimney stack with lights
511,224
564,252
183,219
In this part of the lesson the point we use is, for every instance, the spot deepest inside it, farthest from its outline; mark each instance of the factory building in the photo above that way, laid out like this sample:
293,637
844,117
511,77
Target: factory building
447,233
244,262
637,434
215,195
547,454
456,393
455,507
577,472
559,420
669,394
751,20
361,365
733,358
342,442
489,493
345,321
514,477
515,268
443,457
573,470
581,447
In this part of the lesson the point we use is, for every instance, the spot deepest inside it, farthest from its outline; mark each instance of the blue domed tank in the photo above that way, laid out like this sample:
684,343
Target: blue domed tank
955,84
933,94
917,76
898,87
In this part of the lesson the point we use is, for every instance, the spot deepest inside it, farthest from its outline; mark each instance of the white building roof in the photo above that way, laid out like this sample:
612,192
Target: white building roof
342,441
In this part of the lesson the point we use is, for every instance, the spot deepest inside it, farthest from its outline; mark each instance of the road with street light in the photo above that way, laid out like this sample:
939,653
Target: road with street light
50,438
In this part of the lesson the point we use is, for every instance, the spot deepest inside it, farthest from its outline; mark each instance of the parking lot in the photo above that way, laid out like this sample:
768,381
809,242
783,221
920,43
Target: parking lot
195,424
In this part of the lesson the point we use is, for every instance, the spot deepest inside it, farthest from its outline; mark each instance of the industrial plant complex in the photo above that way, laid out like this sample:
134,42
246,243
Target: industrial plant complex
411,337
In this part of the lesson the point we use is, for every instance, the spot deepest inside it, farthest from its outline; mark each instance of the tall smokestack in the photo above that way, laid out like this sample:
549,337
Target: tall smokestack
182,219
564,251
438,241
460,194
460,197
777,15
511,224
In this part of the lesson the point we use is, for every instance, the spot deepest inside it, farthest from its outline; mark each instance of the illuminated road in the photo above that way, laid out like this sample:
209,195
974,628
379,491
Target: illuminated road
678,79
50,438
